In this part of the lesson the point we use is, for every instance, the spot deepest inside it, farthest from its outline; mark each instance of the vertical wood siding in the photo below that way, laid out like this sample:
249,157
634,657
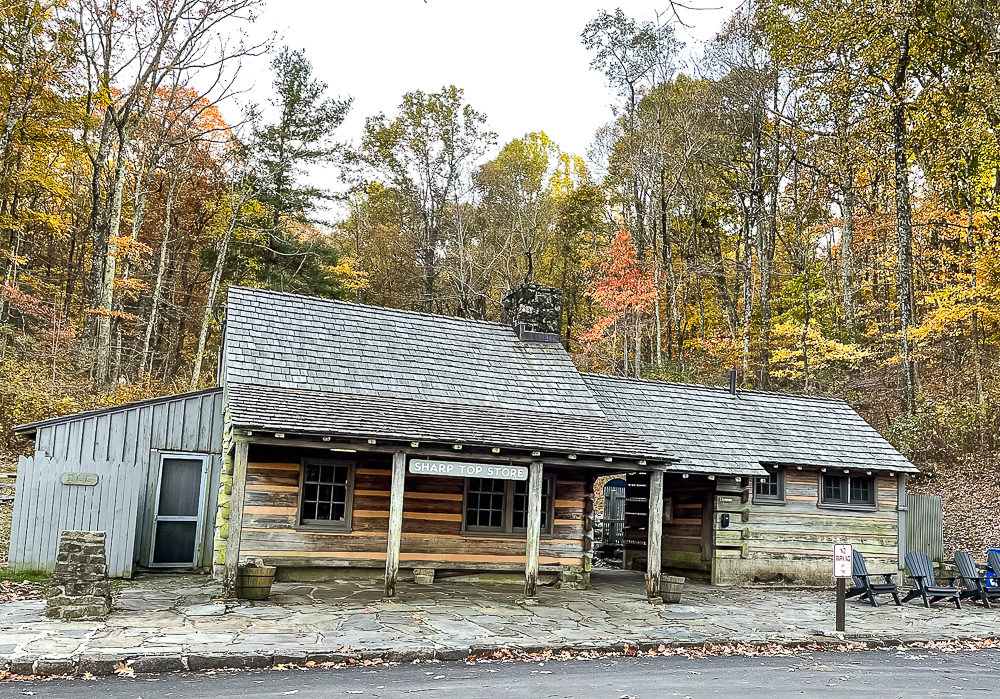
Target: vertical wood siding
924,525
432,522
48,507
129,438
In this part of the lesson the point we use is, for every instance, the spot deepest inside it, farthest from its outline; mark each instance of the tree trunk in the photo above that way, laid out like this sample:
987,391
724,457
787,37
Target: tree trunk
154,310
847,257
213,288
102,359
904,223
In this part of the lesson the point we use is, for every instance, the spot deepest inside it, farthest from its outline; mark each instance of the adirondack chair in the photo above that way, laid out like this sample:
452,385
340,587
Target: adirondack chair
864,586
993,558
975,584
922,573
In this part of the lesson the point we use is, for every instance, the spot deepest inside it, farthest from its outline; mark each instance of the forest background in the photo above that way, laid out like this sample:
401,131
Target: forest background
810,198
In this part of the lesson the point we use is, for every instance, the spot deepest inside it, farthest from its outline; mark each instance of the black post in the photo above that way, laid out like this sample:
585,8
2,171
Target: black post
841,603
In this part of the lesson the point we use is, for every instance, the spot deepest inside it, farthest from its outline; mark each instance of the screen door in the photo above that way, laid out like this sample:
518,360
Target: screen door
179,496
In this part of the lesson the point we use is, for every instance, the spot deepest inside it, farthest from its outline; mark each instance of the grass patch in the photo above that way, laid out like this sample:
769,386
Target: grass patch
9,575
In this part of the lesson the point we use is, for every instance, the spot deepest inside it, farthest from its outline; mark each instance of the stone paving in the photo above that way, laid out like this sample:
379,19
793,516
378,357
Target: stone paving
171,622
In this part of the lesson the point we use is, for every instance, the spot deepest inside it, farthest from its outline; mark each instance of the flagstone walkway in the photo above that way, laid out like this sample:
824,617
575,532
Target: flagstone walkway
170,622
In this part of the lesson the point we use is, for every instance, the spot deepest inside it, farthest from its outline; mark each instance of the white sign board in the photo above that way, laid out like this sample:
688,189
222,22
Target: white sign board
72,478
433,467
843,560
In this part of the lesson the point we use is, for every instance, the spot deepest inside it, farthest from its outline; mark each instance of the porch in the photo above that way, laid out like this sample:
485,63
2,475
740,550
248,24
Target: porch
311,507
161,621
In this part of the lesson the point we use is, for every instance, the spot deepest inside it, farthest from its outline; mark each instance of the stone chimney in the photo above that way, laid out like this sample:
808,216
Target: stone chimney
534,311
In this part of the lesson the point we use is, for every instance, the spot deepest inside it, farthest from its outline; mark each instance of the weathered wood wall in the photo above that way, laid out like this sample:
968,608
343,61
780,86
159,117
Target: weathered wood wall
47,507
925,525
687,542
432,520
134,435
793,542
687,550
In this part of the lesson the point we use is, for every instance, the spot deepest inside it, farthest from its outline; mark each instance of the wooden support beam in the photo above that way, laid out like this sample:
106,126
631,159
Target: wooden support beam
653,536
469,452
395,522
241,452
901,510
534,528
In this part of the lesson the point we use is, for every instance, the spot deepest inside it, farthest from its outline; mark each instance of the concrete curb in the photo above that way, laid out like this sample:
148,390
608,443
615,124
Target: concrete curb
104,664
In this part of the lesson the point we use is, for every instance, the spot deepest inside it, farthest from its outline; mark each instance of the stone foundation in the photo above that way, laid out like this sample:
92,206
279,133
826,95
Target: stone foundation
82,589
574,578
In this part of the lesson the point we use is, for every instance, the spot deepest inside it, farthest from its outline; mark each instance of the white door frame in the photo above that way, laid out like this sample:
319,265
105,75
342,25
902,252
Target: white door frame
205,469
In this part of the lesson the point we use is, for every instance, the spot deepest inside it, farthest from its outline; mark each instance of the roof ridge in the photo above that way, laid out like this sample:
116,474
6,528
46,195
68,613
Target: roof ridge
725,389
402,311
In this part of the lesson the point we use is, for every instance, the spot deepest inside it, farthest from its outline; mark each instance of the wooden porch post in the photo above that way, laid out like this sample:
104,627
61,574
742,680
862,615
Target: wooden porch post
654,534
534,528
395,522
241,453
901,510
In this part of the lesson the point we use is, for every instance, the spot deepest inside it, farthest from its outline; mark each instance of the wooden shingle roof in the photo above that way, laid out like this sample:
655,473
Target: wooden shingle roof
303,364
714,431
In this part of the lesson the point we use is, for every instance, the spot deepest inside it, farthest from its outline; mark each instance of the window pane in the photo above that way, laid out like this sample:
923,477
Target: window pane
485,503
863,490
833,490
520,515
324,493
769,487
521,504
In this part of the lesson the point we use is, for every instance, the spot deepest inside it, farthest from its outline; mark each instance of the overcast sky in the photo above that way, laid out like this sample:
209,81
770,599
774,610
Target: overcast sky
520,61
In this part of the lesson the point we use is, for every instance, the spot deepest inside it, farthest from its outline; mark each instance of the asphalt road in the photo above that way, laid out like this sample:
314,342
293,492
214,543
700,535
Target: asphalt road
872,675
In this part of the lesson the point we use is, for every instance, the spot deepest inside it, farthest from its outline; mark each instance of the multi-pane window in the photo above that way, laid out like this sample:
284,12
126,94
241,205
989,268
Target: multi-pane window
326,493
849,490
521,505
770,489
501,507
485,503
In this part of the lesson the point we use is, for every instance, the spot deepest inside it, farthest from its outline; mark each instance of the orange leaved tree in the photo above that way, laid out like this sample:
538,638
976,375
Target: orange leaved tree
623,286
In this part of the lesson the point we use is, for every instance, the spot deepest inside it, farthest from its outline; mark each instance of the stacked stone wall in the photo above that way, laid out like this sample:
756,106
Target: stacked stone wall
82,590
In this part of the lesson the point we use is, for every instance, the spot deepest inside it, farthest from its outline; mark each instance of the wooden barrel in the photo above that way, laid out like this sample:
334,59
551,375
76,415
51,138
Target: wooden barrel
254,582
671,588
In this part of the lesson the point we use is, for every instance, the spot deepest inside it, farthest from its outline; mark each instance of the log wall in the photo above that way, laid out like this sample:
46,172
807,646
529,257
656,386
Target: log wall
432,520
793,542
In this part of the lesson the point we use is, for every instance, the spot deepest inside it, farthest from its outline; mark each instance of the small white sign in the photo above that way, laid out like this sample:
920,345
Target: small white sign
71,478
433,467
843,560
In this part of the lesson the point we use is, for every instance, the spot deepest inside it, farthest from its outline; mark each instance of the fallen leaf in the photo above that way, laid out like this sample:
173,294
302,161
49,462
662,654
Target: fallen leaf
123,670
